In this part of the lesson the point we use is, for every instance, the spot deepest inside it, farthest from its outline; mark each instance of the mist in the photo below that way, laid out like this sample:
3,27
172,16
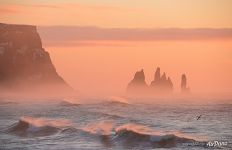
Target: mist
105,70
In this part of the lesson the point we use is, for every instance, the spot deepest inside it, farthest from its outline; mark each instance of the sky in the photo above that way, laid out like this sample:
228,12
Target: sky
103,69
98,45
119,13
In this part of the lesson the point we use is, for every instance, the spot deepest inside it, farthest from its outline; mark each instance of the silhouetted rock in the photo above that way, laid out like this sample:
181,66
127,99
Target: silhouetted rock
161,84
170,84
24,62
184,88
157,75
138,84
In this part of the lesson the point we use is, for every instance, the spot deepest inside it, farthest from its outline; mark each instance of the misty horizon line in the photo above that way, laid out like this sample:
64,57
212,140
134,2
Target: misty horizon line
101,27
95,26
73,34
90,33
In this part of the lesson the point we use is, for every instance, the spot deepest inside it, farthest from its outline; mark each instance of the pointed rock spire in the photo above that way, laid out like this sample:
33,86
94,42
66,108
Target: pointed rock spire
138,85
183,82
139,76
163,77
170,84
157,74
184,87
161,84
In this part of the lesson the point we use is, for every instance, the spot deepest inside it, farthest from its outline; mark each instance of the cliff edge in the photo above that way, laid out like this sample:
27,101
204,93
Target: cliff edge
24,63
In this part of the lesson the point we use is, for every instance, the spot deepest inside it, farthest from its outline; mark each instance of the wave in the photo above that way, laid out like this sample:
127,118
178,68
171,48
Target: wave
68,104
130,135
100,128
115,101
109,133
7,103
106,115
33,127
132,138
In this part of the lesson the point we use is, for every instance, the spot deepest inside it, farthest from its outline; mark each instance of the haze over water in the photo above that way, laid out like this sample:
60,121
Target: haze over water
97,47
112,64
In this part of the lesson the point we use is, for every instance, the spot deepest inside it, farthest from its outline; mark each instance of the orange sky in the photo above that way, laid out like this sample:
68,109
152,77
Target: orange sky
119,13
106,70
103,60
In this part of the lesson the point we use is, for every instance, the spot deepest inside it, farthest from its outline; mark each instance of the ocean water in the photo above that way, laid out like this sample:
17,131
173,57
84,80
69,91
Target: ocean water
58,124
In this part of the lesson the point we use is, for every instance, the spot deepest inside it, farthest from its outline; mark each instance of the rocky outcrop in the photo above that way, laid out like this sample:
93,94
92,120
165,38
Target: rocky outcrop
184,88
138,84
23,61
161,84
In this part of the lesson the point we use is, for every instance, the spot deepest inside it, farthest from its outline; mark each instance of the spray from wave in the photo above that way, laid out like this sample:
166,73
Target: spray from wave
30,127
68,104
110,134
117,100
133,135
100,128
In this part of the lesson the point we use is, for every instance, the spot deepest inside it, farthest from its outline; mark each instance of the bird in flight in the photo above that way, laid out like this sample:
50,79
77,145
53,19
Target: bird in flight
198,117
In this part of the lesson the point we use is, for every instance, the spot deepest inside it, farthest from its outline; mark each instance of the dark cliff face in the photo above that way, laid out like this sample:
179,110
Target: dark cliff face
23,61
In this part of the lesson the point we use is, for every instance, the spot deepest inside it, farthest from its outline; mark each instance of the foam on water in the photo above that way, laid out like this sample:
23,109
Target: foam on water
113,125
29,126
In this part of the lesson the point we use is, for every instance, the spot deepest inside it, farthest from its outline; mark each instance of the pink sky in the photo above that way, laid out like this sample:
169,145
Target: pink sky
120,13
97,46
107,69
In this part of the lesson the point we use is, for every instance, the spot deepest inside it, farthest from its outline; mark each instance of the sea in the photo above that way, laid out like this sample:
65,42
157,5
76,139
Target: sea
115,123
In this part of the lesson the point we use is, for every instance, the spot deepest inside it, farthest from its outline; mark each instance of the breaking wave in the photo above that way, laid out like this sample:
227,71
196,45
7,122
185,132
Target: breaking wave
118,99
115,101
68,104
110,134
100,128
130,135
33,127
136,135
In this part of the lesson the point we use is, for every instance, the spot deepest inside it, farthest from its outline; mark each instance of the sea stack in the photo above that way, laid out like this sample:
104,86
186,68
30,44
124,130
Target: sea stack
184,88
24,63
138,85
161,84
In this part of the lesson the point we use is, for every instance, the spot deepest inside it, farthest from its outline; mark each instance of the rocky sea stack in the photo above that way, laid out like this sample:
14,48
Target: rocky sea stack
161,85
24,63
184,88
138,84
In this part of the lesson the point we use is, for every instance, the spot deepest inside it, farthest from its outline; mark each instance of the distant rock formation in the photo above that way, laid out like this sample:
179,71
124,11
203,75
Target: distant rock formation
184,88
138,85
23,61
161,84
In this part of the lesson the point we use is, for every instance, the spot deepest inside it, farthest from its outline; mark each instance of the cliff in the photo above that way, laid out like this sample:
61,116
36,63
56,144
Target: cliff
24,63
